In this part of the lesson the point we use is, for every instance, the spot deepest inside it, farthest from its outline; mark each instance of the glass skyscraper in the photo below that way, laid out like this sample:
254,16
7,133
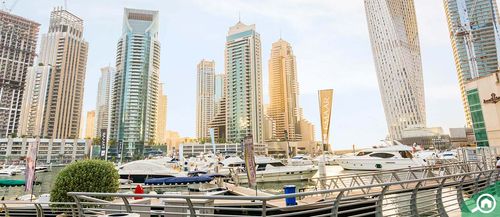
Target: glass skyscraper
475,39
396,51
243,64
135,89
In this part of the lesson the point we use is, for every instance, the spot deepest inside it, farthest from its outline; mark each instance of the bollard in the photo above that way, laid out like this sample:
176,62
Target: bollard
290,189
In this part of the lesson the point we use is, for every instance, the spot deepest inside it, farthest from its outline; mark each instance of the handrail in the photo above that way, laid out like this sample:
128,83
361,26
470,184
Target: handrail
272,197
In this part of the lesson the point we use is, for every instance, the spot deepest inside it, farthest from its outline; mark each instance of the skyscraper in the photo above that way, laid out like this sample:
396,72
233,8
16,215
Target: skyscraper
161,121
205,97
34,99
284,92
103,105
64,48
18,38
396,51
90,125
475,39
219,86
243,66
135,88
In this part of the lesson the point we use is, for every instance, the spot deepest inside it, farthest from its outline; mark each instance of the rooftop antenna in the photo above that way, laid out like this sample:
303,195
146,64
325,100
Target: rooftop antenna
65,4
239,16
280,33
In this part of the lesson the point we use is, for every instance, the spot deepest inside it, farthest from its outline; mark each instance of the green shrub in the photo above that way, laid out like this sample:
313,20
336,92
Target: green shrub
85,176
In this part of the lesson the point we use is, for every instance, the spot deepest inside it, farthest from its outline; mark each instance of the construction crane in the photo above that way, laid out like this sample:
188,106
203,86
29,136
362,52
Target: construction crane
5,7
465,30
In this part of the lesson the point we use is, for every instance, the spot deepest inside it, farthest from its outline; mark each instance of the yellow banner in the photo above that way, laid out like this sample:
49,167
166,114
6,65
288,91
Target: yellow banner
325,110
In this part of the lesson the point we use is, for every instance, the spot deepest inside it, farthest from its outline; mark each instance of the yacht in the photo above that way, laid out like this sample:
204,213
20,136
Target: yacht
390,156
300,160
271,170
329,159
139,171
7,172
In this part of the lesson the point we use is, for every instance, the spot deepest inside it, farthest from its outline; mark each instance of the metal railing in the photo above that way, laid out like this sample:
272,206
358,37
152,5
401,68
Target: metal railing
433,196
388,176
438,190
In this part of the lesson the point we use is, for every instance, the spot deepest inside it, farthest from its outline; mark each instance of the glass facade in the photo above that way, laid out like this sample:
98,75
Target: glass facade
477,117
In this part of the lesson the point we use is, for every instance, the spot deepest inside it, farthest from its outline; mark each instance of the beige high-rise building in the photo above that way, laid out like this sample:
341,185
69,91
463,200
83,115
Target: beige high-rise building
392,25
90,126
218,123
161,121
205,97
32,110
284,91
64,48
18,37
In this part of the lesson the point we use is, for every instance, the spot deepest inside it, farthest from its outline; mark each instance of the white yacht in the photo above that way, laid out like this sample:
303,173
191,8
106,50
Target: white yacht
329,159
7,172
300,160
271,170
139,171
392,155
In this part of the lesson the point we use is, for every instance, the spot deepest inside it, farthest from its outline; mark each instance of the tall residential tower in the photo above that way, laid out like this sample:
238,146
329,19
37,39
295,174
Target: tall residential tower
396,51
103,104
243,66
18,38
475,38
64,48
205,97
135,88
161,120
284,92
34,99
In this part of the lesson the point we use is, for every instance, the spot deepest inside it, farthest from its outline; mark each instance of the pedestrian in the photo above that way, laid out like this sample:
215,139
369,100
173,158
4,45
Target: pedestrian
498,163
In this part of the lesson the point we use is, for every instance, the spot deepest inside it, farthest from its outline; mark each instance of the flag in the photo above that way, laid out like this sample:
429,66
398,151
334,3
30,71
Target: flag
250,161
325,111
212,137
104,138
31,164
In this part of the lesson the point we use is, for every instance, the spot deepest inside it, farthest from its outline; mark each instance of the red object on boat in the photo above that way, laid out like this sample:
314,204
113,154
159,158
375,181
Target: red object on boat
138,190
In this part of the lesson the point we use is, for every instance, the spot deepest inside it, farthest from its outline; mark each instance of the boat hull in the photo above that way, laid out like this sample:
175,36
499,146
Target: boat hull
376,164
277,176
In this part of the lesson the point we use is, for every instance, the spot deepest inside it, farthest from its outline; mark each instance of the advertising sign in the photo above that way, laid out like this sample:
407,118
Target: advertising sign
325,111
250,161
104,138
31,164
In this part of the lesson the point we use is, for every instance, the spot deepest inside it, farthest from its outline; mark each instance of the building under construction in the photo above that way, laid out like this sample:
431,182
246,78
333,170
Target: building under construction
18,37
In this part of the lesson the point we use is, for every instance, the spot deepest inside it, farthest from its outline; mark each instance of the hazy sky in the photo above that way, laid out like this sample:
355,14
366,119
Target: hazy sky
329,38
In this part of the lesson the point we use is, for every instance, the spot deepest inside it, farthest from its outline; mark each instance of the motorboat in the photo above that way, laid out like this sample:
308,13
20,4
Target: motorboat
448,155
41,169
390,156
271,170
300,160
329,159
8,171
139,171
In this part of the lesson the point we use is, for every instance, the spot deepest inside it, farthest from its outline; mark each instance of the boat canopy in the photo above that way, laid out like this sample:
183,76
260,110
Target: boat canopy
178,180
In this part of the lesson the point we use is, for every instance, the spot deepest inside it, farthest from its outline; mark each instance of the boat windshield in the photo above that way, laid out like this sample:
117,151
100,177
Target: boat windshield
362,153
406,154
297,157
382,155
277,164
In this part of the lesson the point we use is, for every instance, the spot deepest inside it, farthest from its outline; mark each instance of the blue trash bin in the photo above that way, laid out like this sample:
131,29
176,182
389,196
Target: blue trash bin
290,189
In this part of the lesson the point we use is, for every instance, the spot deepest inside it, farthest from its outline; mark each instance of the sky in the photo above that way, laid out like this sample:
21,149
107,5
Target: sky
329,38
